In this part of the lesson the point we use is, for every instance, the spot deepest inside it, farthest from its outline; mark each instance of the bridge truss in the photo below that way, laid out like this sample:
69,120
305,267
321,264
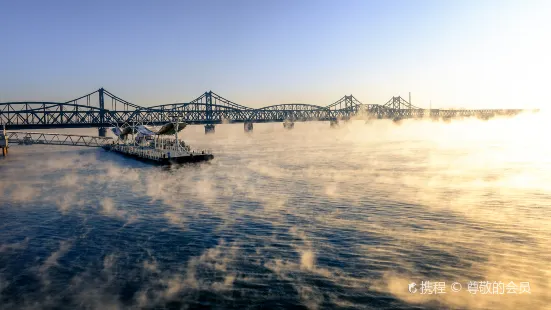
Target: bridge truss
29,138
103,109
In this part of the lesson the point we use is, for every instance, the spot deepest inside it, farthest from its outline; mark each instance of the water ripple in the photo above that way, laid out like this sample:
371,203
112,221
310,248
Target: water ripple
311,218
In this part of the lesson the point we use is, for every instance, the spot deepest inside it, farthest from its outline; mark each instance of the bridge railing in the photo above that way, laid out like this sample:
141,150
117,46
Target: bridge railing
29,138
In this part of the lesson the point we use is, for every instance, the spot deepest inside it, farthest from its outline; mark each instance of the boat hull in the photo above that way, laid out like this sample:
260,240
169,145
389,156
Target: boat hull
193,158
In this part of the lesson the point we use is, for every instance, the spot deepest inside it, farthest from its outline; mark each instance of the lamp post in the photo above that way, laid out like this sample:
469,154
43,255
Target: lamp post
176,133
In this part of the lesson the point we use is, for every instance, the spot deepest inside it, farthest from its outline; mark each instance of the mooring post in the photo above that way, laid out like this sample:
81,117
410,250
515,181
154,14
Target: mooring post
248,126
288,124
209,128
4,141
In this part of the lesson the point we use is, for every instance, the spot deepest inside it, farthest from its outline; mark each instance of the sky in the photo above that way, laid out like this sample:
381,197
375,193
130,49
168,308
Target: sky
448,54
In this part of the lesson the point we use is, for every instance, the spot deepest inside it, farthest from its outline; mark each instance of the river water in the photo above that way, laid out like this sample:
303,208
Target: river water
312,218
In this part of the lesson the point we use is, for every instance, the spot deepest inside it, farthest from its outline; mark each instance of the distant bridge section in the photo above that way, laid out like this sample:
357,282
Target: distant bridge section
102,109
399,108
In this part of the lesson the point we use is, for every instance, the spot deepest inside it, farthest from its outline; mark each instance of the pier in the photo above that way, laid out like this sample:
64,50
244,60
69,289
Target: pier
4,141
30,138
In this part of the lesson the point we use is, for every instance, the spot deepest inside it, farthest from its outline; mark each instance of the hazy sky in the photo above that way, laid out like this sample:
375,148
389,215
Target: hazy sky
258,53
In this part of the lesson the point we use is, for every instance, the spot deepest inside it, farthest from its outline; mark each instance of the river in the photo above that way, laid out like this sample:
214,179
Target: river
314,217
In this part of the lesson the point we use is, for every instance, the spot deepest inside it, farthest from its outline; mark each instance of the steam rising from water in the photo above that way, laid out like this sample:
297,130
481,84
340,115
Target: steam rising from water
314,216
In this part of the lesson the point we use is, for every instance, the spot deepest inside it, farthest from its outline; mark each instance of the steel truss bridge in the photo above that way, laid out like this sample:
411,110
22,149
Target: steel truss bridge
103,109
28,138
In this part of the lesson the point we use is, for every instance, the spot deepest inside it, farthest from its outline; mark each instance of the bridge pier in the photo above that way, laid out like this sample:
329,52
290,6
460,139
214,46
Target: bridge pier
209,128
102,132
248,126
288,125
334,123
4,141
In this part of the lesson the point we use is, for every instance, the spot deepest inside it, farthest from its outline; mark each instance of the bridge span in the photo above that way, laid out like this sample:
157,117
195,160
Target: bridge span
29,138
102,109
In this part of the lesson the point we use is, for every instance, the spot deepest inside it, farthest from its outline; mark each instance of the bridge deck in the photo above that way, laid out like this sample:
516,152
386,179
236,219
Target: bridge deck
29,138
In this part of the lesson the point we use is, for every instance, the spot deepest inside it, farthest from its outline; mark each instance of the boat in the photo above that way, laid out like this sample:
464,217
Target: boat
156,146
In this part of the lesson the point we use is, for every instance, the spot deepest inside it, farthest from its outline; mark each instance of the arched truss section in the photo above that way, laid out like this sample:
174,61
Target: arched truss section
216,99
207,98
104,99
345,103
399,103
92,99
118,103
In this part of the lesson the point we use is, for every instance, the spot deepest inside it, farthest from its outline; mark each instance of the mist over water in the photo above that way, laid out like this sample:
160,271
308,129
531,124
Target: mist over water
310,218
